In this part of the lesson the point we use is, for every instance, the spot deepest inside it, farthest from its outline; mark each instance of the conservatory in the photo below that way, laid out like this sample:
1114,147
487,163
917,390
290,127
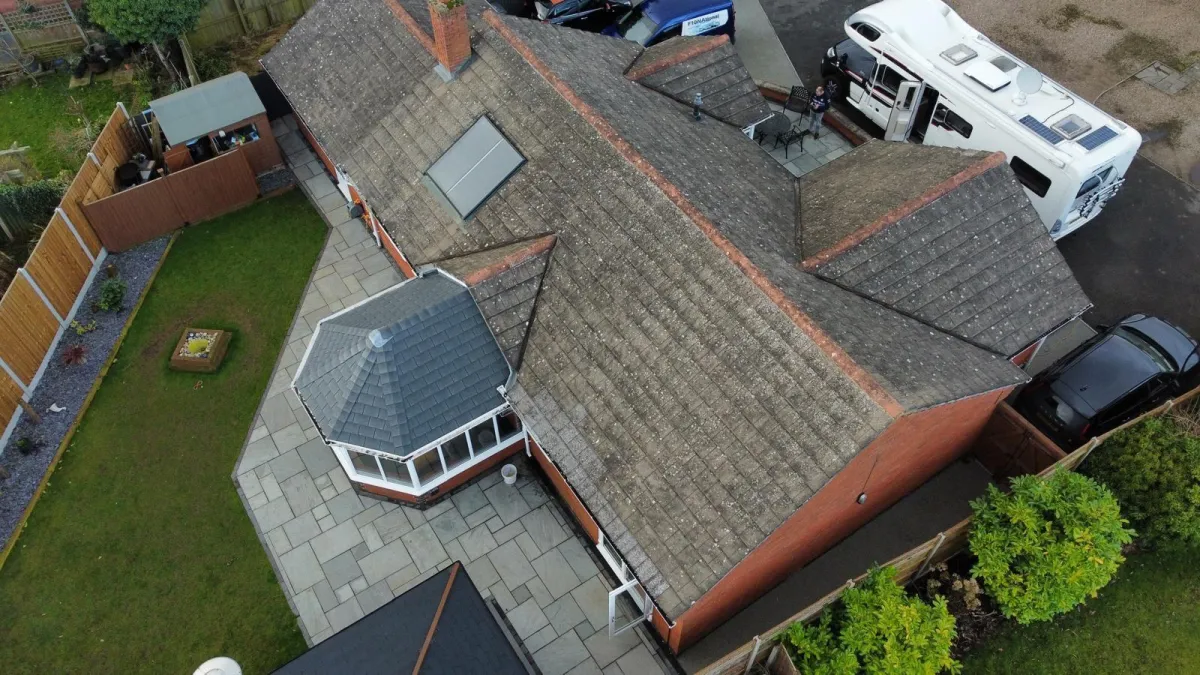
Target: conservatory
406,388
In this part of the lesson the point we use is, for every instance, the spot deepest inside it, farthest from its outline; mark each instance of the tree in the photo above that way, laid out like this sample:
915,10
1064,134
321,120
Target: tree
1047,545
151,22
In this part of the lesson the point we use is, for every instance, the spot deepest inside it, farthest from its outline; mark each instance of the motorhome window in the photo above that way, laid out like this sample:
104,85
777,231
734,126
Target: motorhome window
866,31
888,79
1089,185
1031,178
946,117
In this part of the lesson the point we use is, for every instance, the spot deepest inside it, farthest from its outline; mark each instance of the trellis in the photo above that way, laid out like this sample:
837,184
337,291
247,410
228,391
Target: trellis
46,31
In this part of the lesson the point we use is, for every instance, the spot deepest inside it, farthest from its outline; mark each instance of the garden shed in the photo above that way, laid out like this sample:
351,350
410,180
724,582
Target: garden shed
199,154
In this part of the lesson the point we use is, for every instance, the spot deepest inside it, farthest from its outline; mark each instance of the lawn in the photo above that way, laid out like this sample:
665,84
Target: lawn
1146,621
29,116
140,556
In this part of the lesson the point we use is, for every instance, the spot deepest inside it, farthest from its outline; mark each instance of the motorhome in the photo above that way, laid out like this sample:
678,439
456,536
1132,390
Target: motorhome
923,75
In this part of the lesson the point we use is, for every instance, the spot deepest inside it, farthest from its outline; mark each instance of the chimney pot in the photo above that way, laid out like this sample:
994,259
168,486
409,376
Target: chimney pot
451,36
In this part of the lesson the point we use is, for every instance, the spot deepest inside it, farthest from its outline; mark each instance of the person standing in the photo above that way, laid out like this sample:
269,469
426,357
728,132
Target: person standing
817,106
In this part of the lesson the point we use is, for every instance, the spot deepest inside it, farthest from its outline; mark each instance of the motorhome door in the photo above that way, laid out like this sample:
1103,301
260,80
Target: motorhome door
904,110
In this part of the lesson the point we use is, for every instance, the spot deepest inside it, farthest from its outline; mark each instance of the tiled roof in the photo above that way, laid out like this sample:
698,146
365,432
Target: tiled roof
710,66
505,282
402,369
688,378
969,256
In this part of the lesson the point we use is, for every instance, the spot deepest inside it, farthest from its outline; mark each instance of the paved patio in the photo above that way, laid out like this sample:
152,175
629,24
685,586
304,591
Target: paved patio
339,555
817,152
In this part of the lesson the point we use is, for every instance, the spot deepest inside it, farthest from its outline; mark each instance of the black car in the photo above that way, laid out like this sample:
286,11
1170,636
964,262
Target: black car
1110,379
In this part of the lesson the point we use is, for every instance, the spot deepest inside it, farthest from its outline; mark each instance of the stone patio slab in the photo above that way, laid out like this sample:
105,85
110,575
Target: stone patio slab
386,561
335,541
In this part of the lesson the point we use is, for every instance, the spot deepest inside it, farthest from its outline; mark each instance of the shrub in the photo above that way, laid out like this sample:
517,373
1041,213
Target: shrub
30,205
112,294
83,328
75,354
1154,470
879,630
1048,545
28,446
213,62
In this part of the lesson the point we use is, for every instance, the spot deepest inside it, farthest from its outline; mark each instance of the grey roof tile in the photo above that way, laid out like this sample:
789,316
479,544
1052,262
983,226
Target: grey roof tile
406,367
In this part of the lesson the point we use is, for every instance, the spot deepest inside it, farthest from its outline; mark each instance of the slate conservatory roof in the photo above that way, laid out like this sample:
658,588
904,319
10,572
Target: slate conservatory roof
693,383
403,368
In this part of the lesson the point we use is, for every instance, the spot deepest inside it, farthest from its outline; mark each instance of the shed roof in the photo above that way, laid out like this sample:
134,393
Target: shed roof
403,368
466,637
207,107
692,383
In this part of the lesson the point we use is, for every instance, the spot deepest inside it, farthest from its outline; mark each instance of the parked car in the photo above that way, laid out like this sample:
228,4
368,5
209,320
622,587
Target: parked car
1112,378
646,23
653,21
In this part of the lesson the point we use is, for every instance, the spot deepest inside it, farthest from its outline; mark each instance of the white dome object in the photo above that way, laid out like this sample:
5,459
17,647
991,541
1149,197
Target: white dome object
221,665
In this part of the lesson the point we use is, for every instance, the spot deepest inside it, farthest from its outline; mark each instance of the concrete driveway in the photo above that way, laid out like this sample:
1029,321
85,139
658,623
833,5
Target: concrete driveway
1141,255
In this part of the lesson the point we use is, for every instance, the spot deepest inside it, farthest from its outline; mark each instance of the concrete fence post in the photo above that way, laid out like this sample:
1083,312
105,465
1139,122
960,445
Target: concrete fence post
13,376
71,226
753,655
941,539
45,300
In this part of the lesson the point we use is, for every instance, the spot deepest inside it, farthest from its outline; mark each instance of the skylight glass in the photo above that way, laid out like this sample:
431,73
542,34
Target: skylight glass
474,167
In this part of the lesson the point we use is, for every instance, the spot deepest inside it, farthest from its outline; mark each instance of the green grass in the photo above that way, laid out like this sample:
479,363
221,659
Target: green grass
1146,621
140,557
29,115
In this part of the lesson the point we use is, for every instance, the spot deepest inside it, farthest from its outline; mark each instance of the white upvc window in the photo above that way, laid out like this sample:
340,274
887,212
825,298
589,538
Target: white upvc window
425,469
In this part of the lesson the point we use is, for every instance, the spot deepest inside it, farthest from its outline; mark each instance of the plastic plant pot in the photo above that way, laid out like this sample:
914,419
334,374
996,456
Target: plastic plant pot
509,473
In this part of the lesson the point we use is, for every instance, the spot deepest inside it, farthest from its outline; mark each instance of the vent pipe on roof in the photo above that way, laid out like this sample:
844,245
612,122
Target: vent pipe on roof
451,36
696,103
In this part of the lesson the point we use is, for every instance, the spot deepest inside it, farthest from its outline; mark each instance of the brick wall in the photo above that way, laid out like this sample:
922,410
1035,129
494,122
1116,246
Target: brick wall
901,459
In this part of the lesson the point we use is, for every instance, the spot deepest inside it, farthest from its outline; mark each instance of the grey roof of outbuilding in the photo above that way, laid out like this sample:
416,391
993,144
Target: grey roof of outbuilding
972,259
207,107
710,66
402,369
691,411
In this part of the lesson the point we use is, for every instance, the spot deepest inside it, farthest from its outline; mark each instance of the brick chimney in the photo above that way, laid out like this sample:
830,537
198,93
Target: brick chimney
451,36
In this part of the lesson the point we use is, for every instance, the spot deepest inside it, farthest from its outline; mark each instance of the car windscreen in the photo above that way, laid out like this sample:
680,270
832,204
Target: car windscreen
636,26
856,59
1145,345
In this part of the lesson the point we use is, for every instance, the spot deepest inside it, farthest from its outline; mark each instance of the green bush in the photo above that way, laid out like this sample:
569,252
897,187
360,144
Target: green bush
879,630
1154,470
112,294
30,205
213,62
1048,545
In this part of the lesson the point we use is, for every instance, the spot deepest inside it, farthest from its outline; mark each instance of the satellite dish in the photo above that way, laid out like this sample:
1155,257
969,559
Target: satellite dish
1029,81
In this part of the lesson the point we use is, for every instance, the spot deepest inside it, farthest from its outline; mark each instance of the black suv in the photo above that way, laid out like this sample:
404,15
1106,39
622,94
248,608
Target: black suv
1112,378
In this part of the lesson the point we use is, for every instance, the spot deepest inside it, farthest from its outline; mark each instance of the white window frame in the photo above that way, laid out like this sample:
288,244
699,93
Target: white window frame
342,450
628,583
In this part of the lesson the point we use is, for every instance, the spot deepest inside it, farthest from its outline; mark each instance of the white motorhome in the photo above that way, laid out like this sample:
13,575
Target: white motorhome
921,73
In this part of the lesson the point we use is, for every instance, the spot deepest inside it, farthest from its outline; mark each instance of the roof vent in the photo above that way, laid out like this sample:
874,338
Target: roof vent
988,75
1072,127
959,54
377,339
1004,64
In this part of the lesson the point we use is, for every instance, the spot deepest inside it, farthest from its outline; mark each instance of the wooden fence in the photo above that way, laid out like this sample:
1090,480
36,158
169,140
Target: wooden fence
47,31
227,20
42,299
215,186
911,565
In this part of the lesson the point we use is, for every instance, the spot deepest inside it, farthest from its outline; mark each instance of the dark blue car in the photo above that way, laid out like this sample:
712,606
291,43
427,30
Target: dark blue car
646,23
653,21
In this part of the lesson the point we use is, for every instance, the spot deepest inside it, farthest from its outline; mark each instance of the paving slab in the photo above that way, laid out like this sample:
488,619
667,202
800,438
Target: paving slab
374,597
318,458
386,561
301,567
512,565
477,542
425,548
301,528
273,514
344,614
507,502
606,650
344,506
301,494
552,569
560,656
448,526
311,613
336,541
564,614
527,619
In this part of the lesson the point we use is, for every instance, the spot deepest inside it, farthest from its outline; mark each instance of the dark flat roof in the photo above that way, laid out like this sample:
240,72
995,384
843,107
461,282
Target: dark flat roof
466,636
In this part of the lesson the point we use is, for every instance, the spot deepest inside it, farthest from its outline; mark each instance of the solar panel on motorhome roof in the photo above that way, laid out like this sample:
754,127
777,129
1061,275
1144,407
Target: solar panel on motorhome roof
1097,138
1051,136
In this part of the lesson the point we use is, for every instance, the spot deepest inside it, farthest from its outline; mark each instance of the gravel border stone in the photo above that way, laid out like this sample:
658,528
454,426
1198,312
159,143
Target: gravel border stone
68,385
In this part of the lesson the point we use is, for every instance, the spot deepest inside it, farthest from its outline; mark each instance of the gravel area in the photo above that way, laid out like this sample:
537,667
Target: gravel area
67,385
276,179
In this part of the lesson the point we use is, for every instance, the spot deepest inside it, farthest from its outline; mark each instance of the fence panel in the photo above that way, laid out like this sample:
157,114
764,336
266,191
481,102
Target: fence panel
72,205
133,216
213,187
59,266
220,21
10,396
29,327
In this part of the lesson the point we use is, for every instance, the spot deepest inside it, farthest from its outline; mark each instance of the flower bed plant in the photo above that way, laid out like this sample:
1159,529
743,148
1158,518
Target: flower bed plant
200,350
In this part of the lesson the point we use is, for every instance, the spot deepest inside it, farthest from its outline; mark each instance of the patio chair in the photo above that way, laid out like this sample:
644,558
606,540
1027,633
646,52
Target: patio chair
792,135
797,100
